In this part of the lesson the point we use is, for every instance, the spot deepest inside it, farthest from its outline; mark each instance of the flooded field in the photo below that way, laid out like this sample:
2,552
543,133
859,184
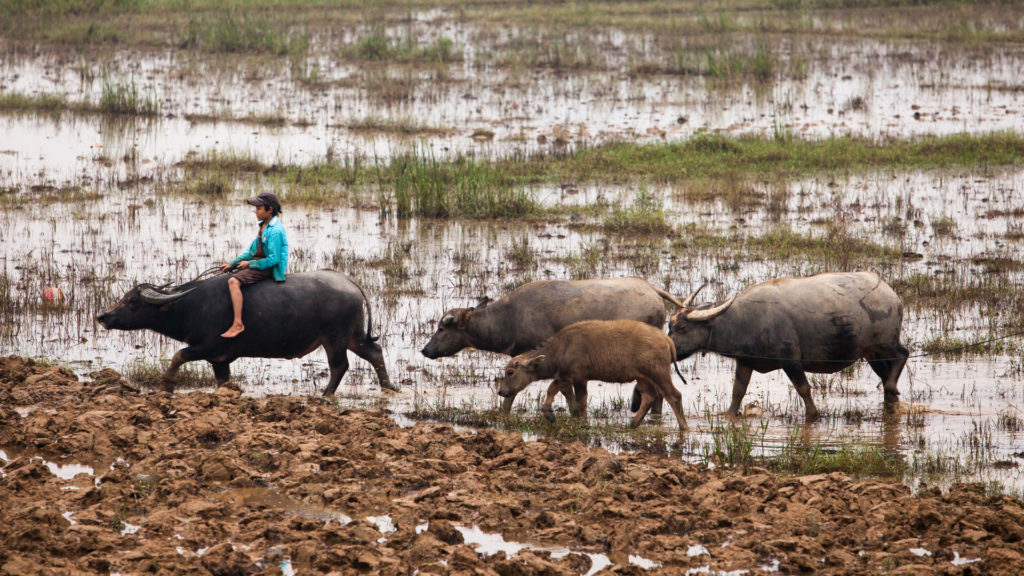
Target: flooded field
93,202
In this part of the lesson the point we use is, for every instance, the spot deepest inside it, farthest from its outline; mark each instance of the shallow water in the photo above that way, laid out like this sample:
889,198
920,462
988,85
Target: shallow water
864,88
172,238
100,239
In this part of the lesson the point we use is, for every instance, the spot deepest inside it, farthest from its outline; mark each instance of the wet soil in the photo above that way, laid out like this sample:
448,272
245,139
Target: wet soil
219,483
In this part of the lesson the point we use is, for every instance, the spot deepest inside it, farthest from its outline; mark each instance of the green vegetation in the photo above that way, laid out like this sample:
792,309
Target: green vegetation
47,103
124,98
417,186
376,45
236,31
151,376
684,36
644,216
706,168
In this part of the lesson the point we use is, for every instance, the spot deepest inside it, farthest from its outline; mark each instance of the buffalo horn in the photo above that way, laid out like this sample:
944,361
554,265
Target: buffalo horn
689,301
448,320
151,296
709,314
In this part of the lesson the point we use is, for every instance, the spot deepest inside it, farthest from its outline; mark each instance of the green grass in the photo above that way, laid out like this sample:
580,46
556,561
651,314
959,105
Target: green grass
150,376
856,459
644,216
46,103
412,185
125,98
377,46
237,31
550,34
706,168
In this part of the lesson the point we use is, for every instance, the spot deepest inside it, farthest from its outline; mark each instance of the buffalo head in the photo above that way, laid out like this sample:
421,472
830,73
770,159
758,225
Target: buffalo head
138,307
690,327
452,332
519,373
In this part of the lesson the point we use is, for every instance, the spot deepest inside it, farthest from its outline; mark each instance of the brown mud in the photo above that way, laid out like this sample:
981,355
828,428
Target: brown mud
217,483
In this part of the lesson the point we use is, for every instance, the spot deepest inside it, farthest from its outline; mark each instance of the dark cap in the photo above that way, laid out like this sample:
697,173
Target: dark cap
268,199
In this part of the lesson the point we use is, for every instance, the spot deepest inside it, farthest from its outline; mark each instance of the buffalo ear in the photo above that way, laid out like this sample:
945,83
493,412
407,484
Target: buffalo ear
534,360
484,301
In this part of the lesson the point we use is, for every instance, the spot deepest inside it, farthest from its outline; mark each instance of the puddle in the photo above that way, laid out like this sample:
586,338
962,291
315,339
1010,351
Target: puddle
383,523
490,544
920,552
697,550
66,471
272,499
708,570
958,561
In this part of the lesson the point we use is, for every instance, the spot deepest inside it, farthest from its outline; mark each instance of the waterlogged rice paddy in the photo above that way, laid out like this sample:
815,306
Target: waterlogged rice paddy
93,202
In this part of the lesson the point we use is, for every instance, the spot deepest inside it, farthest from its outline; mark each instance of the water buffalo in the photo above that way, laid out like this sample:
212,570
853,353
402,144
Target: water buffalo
283,320
818,324
534,312
611,351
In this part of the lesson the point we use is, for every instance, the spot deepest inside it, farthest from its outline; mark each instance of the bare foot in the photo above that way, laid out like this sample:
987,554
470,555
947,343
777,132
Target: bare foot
235,330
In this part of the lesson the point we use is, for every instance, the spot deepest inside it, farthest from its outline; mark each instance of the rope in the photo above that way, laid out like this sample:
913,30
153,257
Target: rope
921,355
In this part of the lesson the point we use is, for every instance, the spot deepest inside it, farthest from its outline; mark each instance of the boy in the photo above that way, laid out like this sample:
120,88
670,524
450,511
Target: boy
266,257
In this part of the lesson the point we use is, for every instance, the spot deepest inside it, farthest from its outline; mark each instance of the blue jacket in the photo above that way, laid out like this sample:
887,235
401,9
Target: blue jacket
275,246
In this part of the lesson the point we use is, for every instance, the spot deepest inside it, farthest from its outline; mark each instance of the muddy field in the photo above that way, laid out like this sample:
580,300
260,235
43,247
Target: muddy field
681,141
99,477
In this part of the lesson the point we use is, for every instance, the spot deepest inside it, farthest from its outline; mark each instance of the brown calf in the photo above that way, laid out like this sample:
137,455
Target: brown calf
610,351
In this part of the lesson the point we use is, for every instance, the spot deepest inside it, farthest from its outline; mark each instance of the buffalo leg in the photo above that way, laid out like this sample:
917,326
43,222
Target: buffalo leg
803,388
187,354
646,399
656,406
221,371
565,387
506,403
374,354
337,359
579,387
739,388
889,369
662,387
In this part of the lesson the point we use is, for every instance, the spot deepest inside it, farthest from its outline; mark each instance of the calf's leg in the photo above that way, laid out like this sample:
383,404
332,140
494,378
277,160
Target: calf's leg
565,387
663,388
579,388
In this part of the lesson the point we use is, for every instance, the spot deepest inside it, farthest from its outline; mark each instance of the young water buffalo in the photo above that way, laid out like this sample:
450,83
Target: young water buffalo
611,351
536,311
819,324
283,320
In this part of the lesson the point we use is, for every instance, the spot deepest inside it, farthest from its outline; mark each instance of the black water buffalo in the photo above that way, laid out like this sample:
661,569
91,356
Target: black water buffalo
818,324
534,312
282,320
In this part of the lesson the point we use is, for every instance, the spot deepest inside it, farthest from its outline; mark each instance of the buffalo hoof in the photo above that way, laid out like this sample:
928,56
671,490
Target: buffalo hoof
390,386
548,415
167,386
